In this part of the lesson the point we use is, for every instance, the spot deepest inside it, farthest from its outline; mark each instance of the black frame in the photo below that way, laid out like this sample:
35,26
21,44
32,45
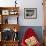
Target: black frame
30,9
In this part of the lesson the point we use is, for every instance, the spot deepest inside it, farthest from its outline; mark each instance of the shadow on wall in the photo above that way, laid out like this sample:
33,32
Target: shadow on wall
37,29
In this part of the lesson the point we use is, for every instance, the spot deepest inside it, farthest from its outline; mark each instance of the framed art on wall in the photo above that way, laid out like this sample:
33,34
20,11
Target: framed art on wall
30,13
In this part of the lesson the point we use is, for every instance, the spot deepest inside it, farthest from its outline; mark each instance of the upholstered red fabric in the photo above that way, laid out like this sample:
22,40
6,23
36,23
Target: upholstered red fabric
29,33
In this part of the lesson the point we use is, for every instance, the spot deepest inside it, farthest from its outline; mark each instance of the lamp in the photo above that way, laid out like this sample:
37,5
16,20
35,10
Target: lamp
15,3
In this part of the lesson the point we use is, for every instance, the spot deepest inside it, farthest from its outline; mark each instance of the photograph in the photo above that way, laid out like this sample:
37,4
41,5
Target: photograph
30,13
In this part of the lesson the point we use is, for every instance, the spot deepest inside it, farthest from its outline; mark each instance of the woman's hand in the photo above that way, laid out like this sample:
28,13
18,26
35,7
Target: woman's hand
32,41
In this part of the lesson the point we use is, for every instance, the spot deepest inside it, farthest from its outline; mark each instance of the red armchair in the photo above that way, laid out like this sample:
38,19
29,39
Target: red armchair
29,36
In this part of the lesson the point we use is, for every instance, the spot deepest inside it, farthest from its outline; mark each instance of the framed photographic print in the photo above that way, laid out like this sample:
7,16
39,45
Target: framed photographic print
30,13
5,12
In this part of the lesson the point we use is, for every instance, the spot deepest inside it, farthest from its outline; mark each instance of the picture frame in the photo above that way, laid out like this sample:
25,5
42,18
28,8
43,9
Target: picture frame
30,13
5,12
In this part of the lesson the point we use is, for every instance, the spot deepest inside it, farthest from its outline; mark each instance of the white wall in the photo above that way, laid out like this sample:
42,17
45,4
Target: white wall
32,4
27,4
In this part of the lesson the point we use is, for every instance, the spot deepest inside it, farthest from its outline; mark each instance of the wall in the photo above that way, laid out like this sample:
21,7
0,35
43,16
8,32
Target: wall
26,4
37,29
32,4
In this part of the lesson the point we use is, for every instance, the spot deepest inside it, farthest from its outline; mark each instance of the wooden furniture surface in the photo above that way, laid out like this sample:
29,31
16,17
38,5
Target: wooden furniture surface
10,43
44,37
9,10
10,26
